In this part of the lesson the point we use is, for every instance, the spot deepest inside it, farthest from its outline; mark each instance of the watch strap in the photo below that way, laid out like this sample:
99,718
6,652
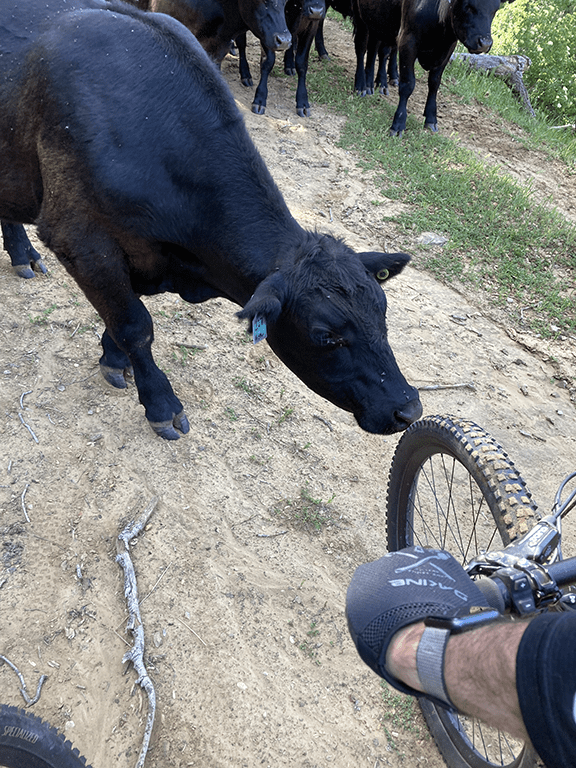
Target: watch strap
430,663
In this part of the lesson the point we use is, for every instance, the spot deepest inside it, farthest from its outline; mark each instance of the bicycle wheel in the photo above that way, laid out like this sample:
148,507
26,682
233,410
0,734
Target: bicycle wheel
452,486
26,741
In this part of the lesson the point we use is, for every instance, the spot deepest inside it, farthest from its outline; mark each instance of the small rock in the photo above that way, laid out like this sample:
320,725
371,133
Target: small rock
432,238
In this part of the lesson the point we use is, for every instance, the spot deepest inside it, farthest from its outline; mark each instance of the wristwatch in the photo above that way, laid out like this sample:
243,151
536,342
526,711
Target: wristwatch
432,648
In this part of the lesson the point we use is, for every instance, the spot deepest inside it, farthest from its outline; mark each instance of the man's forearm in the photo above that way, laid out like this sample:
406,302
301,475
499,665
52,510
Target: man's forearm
479,670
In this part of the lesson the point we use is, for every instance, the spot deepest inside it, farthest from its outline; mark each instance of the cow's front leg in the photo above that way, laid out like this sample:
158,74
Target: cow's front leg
115,365
304,43
243,66
132,335
267,59
430,109
24,257
99,267
407,58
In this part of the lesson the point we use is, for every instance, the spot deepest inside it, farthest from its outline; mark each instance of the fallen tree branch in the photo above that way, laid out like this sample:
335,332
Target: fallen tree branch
136,654
509,68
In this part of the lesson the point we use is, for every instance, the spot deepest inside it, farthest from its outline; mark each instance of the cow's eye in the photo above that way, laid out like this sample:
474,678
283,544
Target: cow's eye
382,274
333,340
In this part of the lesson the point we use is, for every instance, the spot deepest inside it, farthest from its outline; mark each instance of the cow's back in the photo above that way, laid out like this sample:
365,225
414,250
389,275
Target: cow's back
152,145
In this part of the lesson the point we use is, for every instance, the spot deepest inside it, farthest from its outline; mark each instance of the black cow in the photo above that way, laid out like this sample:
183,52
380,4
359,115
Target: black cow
427,31
118,138
215,23
303,18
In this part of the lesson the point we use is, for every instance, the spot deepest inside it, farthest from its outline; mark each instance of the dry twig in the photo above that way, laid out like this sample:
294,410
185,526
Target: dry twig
23,689
136,654
433,387
23,504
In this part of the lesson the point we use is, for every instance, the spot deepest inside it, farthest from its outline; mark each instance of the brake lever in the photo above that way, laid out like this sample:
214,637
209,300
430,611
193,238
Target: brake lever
538,545
519,567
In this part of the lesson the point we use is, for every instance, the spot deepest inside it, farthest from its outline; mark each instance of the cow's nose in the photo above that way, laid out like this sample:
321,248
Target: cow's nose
410,412
282,41
484,44
315,13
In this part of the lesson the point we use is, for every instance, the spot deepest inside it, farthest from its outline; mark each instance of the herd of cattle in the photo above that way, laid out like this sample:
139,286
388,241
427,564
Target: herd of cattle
118,139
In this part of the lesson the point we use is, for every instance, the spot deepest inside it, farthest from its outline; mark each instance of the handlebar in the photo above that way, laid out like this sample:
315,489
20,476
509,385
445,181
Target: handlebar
528,575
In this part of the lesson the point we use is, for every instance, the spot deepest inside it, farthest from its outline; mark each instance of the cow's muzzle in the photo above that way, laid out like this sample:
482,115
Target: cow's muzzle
483,45
408,414
315,12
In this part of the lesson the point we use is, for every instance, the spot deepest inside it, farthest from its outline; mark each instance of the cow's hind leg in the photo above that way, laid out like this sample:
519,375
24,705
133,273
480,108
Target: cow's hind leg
24,257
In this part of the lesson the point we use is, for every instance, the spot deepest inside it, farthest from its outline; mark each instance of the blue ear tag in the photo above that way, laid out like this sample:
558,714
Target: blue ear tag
259,331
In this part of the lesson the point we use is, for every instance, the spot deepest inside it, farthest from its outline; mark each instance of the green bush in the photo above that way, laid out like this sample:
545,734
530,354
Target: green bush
545,31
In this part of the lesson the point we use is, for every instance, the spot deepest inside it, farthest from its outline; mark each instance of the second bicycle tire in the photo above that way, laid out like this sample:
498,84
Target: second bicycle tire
26,741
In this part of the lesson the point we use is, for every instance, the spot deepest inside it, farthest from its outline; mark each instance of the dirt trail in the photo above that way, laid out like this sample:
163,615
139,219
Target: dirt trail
243,609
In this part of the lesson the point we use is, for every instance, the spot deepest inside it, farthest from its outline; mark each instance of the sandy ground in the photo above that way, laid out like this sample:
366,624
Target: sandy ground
242,598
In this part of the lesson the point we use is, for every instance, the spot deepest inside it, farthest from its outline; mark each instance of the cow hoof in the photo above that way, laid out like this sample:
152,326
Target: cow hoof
247,81
369,92
117,377
432,127
324,57
360,93
24,270
167,429
290,71
393,132
27,270
258,109
303,111
384,91
393,83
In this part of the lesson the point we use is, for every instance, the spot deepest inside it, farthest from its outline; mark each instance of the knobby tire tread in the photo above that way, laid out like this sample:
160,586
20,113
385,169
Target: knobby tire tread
26,741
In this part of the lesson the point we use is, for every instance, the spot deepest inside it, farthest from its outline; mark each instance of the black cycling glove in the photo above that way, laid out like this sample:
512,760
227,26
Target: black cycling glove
402,588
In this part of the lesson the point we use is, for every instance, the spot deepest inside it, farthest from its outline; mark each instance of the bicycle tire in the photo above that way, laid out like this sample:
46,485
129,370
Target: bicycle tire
26,741
443,465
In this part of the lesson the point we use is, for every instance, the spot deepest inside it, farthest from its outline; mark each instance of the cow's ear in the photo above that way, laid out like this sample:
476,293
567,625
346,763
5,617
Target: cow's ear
266,301
384,265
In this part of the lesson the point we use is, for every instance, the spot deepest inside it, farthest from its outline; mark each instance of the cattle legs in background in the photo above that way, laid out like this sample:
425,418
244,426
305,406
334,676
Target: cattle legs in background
387,68
303,18
24,257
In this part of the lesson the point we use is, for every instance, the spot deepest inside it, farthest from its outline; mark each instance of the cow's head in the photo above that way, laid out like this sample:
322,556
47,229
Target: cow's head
266,20
472,21
326,320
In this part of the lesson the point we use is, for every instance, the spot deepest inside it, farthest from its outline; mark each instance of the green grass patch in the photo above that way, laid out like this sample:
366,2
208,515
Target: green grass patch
307,512
500,240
